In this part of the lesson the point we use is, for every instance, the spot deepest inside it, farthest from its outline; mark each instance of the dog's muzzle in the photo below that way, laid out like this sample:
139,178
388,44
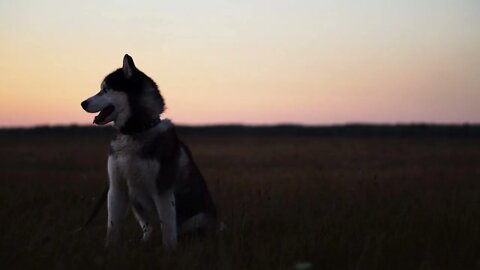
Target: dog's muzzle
105,115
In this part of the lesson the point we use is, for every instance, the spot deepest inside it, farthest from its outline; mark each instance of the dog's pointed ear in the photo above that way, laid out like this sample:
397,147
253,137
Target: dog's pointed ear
128,66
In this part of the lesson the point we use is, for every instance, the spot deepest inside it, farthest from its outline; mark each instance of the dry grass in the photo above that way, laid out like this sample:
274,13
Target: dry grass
340,203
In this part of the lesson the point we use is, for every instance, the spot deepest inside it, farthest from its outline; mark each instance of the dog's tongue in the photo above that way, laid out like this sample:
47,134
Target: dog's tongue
101,118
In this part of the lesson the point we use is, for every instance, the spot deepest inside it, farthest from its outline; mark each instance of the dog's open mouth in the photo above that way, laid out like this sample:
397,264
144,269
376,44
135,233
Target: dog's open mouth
103,117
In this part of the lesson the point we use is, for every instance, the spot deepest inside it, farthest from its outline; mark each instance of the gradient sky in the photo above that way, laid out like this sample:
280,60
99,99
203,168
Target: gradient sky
251,62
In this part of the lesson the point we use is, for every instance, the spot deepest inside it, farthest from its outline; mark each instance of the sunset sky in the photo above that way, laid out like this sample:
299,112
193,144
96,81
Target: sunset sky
250,62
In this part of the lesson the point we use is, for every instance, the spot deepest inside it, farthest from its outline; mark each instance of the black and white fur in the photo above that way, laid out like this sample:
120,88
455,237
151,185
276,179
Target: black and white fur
149,168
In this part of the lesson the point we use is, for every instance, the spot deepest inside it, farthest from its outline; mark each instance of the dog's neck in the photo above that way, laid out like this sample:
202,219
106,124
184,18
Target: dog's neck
135,127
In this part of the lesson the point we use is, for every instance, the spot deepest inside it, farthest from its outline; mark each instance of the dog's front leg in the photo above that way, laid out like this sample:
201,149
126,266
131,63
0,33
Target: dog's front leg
117,209
165,203
117,204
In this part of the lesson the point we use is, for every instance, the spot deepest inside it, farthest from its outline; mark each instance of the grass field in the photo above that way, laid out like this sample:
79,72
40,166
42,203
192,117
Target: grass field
337,202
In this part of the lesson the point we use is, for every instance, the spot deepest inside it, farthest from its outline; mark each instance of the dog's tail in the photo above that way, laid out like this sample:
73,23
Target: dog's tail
98,205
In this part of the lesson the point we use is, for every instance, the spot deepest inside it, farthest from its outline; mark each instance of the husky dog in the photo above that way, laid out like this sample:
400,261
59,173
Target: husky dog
149,168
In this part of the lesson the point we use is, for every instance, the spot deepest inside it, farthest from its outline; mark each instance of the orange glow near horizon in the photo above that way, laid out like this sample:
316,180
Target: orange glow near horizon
259,63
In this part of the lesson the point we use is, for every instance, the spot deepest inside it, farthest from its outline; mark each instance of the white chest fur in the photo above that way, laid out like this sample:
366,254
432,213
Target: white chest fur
127,167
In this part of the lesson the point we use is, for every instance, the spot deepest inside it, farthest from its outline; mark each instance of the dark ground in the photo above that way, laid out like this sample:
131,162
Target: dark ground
340,202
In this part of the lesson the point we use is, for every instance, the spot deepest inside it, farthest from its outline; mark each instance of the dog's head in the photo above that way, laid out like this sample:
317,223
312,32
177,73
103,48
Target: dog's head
127,97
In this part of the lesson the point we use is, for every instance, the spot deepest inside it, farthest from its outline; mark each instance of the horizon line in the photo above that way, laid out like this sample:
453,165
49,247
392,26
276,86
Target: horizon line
280,124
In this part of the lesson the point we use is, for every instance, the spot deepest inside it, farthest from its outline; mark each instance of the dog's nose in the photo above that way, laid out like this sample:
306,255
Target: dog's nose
84,104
